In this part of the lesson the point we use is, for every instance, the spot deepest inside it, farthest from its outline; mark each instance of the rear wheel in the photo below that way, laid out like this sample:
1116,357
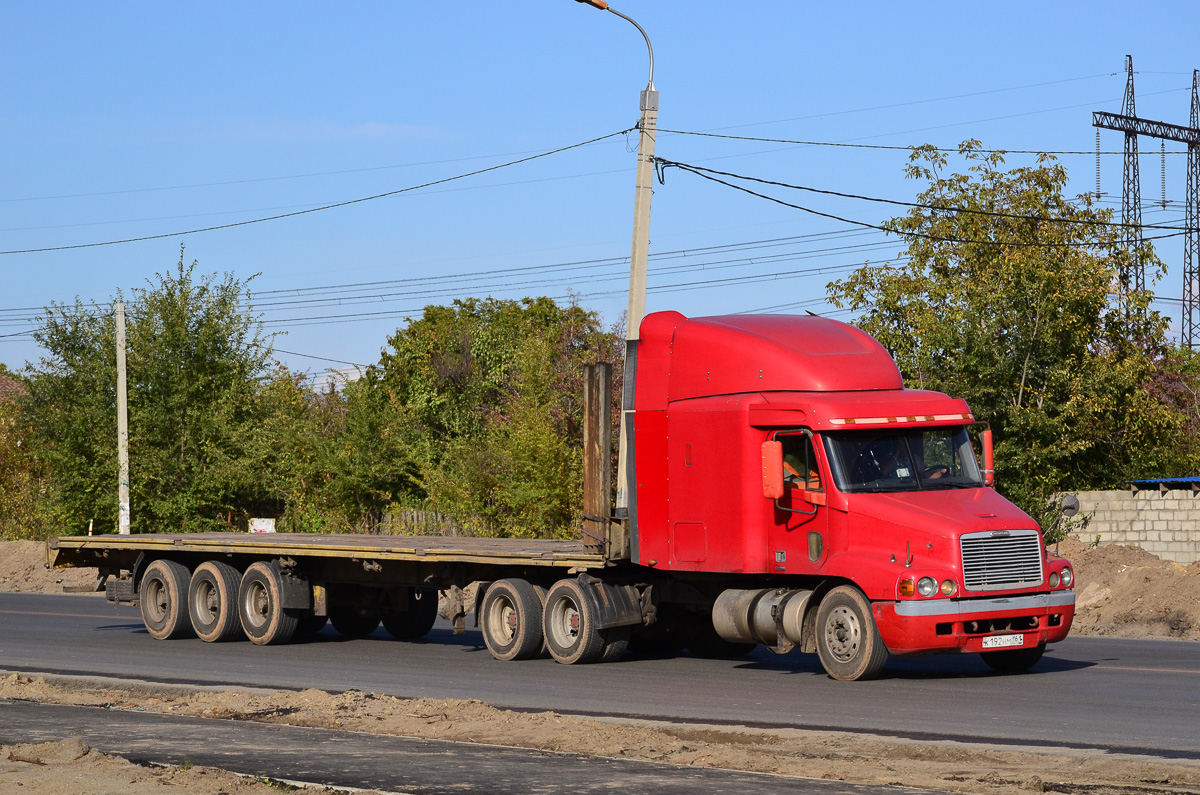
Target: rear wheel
310,624
163,600
260,605
1013,661
213,601
353,620
570,624
848,641
418,619
511,618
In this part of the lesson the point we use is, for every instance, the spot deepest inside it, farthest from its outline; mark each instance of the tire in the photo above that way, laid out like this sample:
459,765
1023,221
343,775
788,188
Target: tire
1013,661
848,641
569,623
616,643
417,620
213,602
353,620
310,624
163,600
511,618
260,605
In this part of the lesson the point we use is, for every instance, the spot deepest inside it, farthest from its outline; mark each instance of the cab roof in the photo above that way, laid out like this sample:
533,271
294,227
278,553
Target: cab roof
681,358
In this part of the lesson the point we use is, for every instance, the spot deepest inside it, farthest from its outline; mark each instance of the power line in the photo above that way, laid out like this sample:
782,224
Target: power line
1016,244
909,148
323,207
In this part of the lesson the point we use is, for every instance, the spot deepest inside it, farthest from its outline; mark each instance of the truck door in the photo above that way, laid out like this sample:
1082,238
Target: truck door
798,537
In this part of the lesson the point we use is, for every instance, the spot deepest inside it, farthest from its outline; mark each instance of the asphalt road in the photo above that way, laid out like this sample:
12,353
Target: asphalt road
1114,694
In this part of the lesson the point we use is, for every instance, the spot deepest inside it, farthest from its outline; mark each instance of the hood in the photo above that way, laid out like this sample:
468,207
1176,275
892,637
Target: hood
944,513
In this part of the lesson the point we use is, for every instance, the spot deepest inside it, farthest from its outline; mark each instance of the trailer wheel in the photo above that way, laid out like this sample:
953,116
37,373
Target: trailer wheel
511,617
1013,661
163,600
848,641
212,601
353,620
417,620
310,624
570,624
260,605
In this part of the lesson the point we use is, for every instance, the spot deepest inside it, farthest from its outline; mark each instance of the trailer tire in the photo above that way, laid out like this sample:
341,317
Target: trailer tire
260,605
569,622
213,602
848,641
164,597
1013,661
511,618
310,624
417,620
353,621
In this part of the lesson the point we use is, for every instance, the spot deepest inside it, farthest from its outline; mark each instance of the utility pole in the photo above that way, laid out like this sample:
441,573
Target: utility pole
1131,208
122,428
626,507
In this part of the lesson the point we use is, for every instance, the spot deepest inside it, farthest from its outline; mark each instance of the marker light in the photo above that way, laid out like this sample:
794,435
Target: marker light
1068,577
949,587
906,587
927,586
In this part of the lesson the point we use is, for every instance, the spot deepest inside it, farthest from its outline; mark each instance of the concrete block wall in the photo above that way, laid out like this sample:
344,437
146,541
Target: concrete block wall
1164,523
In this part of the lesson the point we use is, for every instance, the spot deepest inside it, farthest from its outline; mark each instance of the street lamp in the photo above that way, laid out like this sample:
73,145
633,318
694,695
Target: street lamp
626,484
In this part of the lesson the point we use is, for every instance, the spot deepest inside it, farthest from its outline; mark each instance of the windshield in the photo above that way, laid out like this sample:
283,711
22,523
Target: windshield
913,459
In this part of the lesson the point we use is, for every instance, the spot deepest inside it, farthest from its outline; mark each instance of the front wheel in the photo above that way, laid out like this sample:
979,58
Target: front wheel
848,641
1013,661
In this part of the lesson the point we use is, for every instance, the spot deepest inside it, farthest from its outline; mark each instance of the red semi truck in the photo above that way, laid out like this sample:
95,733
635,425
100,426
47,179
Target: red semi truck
785,490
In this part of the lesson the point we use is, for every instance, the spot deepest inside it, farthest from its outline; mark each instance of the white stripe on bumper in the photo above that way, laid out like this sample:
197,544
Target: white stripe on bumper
948,607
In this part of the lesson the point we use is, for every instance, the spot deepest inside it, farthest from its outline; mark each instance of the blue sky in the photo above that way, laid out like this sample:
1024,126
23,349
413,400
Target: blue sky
139,119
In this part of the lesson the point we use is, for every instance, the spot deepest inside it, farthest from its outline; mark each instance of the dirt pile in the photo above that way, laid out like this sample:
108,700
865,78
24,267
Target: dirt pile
70,765
1125,591
950,766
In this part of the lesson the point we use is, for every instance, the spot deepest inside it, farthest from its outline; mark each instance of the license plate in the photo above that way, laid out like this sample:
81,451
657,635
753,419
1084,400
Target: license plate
1003,641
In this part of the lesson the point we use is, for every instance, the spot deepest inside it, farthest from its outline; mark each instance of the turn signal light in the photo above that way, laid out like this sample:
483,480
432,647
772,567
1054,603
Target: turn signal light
907,588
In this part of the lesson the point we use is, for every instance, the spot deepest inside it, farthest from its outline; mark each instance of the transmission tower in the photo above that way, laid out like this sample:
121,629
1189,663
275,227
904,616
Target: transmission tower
1131,198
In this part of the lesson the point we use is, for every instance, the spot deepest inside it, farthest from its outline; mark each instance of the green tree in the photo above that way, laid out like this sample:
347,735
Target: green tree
195,357
1013,306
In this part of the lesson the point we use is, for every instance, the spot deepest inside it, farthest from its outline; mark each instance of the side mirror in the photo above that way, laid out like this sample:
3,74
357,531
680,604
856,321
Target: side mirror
989,463
772,469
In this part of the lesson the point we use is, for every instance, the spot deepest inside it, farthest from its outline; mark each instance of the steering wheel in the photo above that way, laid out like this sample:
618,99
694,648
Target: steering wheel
941,471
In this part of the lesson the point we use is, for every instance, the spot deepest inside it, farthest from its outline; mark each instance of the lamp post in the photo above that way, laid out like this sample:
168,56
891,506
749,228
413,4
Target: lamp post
626,507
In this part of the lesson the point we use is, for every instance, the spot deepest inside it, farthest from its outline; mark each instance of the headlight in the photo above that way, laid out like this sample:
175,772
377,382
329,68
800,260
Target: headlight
949,587
1067,577
927,586
1054,579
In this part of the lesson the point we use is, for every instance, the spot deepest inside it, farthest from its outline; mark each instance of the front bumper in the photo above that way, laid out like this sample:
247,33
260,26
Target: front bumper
929,626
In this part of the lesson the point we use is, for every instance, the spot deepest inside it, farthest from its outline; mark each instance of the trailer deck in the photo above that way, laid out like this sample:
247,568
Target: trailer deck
116,551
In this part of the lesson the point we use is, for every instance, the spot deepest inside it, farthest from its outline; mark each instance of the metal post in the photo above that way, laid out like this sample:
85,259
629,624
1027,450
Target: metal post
1191,238
122,428
626,507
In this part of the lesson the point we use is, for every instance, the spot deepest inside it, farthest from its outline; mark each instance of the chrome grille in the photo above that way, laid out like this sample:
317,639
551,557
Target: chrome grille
1001,559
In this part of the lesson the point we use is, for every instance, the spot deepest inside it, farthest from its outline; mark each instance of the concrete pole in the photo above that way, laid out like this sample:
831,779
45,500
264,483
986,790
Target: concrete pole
122,428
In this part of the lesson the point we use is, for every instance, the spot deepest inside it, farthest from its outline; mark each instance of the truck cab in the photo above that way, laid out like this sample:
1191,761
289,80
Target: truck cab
785,453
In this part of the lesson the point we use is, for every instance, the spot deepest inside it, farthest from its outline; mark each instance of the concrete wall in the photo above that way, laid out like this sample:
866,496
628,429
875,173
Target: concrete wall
1166,524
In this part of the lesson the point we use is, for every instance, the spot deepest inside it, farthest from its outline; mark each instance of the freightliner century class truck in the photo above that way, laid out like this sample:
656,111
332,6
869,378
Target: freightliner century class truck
785,489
